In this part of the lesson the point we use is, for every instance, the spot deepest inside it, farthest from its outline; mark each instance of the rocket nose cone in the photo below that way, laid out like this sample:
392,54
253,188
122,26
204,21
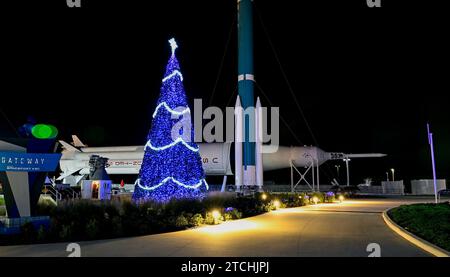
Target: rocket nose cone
258,103
238,102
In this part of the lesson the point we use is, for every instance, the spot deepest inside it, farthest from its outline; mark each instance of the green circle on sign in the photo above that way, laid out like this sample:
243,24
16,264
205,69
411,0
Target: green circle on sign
54,131
44,131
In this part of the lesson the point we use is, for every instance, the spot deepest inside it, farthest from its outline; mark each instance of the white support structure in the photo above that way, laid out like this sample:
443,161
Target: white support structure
224,183
303,176
313,174
318,174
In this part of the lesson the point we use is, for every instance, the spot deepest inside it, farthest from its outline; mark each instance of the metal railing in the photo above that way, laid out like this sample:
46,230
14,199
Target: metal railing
75,194
49,190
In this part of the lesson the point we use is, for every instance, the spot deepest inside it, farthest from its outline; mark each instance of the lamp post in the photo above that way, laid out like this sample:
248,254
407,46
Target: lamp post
347,160
393,174
433,162
337,169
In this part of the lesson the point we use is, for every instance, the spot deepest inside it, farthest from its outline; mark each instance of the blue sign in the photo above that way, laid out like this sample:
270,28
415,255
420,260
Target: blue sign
28,162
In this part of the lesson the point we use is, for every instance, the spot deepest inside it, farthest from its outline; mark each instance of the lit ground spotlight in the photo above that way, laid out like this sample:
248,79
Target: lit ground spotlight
216,216
264,196
315,200
276,204
341,198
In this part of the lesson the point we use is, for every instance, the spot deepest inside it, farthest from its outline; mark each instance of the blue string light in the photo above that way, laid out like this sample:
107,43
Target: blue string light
170,168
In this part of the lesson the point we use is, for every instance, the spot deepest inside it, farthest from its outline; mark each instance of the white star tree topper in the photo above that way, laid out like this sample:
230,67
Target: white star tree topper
173,45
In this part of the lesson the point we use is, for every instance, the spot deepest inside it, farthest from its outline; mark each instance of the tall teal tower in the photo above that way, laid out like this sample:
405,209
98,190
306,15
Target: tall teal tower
246,84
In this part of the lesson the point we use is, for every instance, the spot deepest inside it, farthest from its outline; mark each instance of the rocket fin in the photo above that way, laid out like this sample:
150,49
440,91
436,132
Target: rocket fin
68,147
67,174
77,142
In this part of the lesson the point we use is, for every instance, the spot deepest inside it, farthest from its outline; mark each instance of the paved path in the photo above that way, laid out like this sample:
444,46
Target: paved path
328,230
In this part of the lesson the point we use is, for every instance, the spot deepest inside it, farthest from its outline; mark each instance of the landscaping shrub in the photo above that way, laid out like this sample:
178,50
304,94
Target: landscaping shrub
329,197
250,206
134,217
28,232
209,219
231,213
304,199
45,208
92,229
181,222
41,234
196,220
227,217
117,227
320,197
290,200
176,207
78,220
66,232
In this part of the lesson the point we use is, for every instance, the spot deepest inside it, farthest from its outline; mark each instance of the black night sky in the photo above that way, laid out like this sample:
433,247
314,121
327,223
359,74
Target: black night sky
367,80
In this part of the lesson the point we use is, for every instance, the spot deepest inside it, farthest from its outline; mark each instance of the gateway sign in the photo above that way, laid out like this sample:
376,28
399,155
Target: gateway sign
28,162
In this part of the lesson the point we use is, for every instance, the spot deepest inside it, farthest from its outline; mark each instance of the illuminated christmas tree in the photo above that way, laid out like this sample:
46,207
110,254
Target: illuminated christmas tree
172,166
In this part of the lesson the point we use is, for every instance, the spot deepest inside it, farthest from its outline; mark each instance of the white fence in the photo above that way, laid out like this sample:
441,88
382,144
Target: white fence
393,187
426,187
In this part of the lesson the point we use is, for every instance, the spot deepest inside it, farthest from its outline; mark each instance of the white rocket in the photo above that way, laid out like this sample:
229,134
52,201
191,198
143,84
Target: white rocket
238,146
240,179
216,157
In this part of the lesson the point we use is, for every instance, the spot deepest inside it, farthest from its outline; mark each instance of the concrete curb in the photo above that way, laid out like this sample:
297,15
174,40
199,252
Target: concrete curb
419,242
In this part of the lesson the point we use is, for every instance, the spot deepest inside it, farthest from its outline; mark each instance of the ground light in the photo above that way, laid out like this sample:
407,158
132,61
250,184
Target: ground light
315,200
276,204
264,196
341,198
216,215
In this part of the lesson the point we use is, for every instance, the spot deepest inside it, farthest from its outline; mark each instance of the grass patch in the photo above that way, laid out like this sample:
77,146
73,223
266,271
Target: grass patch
2,201
428,221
